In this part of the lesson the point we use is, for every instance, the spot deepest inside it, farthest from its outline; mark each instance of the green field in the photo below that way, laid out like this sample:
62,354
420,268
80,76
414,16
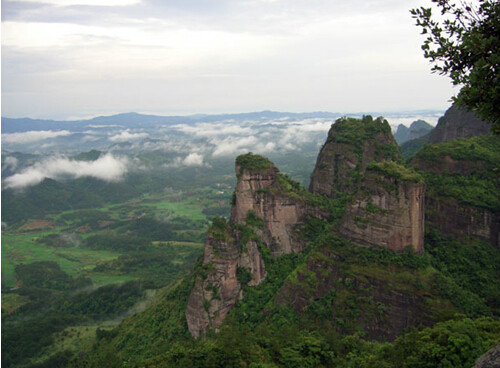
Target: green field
89,268
23,248
21,243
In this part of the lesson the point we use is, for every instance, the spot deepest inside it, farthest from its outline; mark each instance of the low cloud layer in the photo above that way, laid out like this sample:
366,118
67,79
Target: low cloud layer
10,162
107,168
126,136
193,159
213,129
33,136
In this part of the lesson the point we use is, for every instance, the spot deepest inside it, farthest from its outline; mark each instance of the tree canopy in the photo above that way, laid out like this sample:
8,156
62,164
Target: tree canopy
464,43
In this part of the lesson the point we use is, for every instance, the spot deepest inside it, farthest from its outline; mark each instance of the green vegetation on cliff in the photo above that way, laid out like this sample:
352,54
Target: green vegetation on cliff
356,131
396,171
411,148
484,148
465,170
250,161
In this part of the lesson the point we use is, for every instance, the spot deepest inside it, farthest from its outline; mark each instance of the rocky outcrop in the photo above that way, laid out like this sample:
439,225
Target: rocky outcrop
389,213
386,208
351,145
262,195
460,220
358,161
456,123
462,199
267,207
490,359
217,287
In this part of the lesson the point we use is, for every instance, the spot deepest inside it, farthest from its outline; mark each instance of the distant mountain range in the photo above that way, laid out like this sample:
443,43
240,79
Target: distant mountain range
136,120
416,130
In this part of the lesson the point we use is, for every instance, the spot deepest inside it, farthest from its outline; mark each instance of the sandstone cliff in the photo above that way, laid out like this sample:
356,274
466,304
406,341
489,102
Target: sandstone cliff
463,181
385,304
357,165
270,198
456,123
267,207
389,210
386,199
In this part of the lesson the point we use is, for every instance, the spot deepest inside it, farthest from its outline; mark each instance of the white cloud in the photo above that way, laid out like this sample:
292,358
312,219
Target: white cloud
213,129
233,145
126,136
107,168
10,162
33,136
193,159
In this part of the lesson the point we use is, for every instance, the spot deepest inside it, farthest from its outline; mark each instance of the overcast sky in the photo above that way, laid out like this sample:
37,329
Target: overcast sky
81,58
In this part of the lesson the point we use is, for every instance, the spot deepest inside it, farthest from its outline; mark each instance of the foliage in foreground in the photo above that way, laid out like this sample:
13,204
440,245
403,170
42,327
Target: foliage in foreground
464,43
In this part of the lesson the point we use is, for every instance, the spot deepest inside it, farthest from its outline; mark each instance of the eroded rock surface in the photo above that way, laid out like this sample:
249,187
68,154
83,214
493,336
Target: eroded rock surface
264,205
261,194
390,214
387,200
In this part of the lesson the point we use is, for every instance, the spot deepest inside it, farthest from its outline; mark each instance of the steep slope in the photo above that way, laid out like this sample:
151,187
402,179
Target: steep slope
401,134
411,148
458,123
463,186
267,208
386,199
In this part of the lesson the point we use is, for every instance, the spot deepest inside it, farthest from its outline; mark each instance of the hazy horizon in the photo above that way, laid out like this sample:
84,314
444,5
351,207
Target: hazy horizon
72,59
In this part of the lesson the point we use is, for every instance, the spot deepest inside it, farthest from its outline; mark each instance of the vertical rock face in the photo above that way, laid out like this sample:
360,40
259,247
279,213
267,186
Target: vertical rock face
458,123
387,200
261,194
266,205
390,215
461,221
463,208
217,287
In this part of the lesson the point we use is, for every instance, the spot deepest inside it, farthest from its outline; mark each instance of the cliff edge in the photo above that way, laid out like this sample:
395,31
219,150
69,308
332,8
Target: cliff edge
267,206
386,200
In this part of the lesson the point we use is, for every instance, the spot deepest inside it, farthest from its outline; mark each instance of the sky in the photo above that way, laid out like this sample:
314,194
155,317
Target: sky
69,59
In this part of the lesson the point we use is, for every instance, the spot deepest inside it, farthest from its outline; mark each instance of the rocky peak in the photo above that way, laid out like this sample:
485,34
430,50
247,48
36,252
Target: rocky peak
456,123
386,207
402,133
265,195
267,207
351,145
